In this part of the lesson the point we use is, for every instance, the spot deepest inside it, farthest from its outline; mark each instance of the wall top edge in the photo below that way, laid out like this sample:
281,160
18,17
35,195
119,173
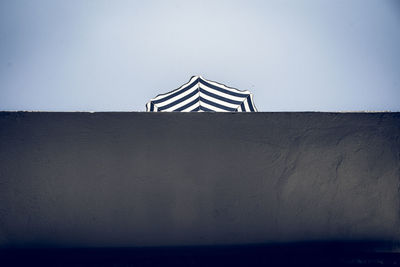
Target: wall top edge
144,112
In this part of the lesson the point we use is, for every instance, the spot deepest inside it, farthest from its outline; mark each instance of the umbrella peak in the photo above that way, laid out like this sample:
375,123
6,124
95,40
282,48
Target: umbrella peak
200,94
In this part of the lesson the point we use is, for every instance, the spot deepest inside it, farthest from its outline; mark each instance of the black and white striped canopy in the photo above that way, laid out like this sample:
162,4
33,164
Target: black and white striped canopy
201,95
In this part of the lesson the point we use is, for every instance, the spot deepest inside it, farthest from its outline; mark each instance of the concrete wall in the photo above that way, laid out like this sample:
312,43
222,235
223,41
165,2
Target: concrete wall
155,179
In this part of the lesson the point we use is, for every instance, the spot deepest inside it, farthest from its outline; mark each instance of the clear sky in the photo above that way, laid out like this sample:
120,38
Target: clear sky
77,55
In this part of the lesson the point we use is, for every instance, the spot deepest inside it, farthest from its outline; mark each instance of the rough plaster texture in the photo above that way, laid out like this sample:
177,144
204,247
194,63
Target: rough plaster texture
155,179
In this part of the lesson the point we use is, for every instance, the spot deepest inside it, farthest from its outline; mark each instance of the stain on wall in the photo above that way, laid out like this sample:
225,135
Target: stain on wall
121,179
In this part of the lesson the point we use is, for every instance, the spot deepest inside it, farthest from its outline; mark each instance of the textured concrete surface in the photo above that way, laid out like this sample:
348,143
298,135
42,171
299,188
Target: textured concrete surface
156,179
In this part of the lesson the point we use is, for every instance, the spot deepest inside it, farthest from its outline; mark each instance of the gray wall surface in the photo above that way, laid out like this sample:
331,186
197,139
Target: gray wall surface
164,179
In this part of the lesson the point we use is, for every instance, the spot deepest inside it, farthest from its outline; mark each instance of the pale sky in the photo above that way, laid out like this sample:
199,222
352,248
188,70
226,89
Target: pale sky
309,55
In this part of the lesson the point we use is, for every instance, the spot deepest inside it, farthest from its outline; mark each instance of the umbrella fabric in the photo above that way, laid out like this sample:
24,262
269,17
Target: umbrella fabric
200,95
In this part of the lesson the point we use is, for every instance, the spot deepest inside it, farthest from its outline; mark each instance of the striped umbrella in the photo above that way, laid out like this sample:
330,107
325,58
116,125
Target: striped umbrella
200,95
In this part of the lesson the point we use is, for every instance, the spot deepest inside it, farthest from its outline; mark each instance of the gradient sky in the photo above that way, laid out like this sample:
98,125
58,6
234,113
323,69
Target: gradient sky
78,55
